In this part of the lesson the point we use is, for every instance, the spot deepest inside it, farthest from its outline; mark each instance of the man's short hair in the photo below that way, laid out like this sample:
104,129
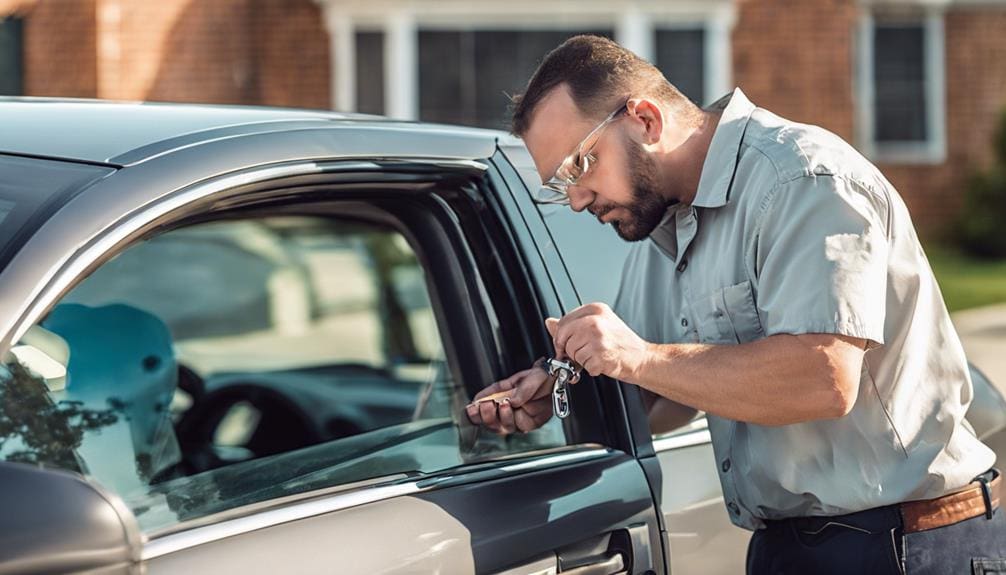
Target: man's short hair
600,75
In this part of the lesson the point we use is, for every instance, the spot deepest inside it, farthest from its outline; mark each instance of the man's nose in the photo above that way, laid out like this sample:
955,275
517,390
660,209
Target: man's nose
579,198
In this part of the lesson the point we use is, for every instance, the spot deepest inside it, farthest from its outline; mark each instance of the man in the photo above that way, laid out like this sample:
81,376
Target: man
783,292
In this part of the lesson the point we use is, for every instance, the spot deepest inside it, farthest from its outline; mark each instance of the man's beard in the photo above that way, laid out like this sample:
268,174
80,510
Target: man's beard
648,207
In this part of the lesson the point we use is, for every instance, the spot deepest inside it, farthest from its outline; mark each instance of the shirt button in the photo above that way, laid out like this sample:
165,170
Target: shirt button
684,322
718,314
733,508
683,265
726,465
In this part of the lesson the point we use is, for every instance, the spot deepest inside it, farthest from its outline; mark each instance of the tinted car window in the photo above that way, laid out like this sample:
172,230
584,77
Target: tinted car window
234,362
593,253
30,189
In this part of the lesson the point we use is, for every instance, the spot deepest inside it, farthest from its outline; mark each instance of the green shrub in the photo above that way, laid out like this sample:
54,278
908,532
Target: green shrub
982,224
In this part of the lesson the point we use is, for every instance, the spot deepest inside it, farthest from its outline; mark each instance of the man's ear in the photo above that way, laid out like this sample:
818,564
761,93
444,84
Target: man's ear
648,116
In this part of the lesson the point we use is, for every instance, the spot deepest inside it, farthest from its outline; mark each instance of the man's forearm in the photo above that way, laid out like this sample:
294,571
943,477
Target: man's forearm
779,380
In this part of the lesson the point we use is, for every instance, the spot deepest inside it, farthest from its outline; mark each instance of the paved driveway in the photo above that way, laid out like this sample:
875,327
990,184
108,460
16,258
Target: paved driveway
983,333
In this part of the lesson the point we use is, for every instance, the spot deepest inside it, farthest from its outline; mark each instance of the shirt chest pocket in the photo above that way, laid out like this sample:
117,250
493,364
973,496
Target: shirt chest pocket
728,315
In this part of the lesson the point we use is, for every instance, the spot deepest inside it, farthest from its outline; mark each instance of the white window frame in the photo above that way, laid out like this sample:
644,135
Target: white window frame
934,149
633,21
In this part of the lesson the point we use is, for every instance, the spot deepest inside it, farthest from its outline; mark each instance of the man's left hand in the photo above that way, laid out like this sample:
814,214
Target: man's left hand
597,339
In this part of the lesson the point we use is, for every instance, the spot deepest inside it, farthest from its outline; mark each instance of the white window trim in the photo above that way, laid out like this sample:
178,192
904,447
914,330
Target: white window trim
633,21
934,149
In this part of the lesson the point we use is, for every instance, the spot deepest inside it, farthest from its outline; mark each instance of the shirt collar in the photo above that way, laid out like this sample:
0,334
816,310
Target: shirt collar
721,159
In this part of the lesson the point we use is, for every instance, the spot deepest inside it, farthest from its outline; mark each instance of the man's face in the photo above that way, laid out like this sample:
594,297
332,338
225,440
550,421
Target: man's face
621,188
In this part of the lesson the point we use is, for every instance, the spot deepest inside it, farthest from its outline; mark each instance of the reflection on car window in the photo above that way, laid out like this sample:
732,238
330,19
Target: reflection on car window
593,252
590,251
233,362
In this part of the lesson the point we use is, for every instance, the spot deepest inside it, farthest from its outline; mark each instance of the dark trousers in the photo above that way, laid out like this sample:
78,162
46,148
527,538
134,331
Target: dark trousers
873,541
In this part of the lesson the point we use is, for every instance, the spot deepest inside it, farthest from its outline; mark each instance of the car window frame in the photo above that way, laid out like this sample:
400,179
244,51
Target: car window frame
152,220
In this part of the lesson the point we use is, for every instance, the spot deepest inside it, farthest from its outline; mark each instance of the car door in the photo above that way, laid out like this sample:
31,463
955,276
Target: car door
698,534
288,395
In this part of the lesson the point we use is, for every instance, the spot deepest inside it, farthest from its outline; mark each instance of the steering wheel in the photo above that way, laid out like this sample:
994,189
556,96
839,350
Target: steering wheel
281,426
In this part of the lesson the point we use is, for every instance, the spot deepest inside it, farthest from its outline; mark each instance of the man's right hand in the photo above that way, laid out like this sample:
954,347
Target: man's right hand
528,405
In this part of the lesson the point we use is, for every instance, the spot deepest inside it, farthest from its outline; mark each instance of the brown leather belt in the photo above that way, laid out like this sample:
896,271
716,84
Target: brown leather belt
974,500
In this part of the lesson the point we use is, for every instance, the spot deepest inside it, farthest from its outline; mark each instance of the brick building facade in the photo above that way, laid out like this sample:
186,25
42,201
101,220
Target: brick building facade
843,64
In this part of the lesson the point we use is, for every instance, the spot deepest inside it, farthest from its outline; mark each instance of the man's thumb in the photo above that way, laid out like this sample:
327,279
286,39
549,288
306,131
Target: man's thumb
552,325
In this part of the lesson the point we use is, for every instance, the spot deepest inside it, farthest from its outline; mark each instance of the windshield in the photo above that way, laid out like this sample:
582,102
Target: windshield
32,189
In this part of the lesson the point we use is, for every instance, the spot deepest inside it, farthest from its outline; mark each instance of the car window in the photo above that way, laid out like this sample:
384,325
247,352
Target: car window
31,189
238,361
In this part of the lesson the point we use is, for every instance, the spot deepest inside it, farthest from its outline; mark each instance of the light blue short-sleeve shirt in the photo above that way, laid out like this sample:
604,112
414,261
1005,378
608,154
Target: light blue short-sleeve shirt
793,231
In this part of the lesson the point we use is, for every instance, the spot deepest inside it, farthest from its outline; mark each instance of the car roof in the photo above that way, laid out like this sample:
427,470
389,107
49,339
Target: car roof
122,133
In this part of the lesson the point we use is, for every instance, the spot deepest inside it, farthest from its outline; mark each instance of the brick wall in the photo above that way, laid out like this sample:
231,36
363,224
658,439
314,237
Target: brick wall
292,54
794,57
272,52
59,51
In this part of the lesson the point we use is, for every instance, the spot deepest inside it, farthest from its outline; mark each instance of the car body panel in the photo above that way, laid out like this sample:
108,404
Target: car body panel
397,535
699,531
500,516
99,130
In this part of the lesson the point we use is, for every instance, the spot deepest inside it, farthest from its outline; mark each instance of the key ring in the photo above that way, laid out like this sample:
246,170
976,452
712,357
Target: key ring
564,372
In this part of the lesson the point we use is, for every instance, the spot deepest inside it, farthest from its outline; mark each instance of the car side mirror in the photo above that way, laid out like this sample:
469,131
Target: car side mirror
59,522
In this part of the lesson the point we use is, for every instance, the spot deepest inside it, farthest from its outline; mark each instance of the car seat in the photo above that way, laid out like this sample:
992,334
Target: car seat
121,359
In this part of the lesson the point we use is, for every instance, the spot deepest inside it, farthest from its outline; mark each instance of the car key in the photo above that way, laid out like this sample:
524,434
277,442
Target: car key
565,372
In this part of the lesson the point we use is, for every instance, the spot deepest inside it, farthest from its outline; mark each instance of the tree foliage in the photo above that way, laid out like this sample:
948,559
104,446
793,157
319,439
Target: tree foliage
36,430
982,227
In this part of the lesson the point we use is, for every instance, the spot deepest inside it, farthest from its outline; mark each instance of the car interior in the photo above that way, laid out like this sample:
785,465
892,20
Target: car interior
252,356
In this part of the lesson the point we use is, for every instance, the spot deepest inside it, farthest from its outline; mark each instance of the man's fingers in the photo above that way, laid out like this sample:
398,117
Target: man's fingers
501,385
524,421
488,390
566,326
571,335
578,348
506,418
472,410
542,418
487,410
536,407
529,387
511,382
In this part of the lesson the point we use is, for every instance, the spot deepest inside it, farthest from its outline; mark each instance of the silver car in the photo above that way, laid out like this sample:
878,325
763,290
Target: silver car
241,340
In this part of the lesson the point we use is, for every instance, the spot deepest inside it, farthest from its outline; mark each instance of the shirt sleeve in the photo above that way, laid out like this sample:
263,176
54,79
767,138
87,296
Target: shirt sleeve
820,254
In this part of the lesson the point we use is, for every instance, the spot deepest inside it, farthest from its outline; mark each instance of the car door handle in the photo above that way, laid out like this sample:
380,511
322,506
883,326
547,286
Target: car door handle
611,566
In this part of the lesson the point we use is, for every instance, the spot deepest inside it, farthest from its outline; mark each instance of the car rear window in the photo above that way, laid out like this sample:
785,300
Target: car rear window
31,189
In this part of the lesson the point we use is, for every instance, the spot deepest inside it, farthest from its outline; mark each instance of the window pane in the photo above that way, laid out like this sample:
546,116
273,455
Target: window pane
11,56
233,362
466,77
370,72
680,56
900,83
446,77
31,190
303,338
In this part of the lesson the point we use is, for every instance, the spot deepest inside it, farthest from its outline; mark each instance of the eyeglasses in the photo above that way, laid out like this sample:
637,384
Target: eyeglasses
575,165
